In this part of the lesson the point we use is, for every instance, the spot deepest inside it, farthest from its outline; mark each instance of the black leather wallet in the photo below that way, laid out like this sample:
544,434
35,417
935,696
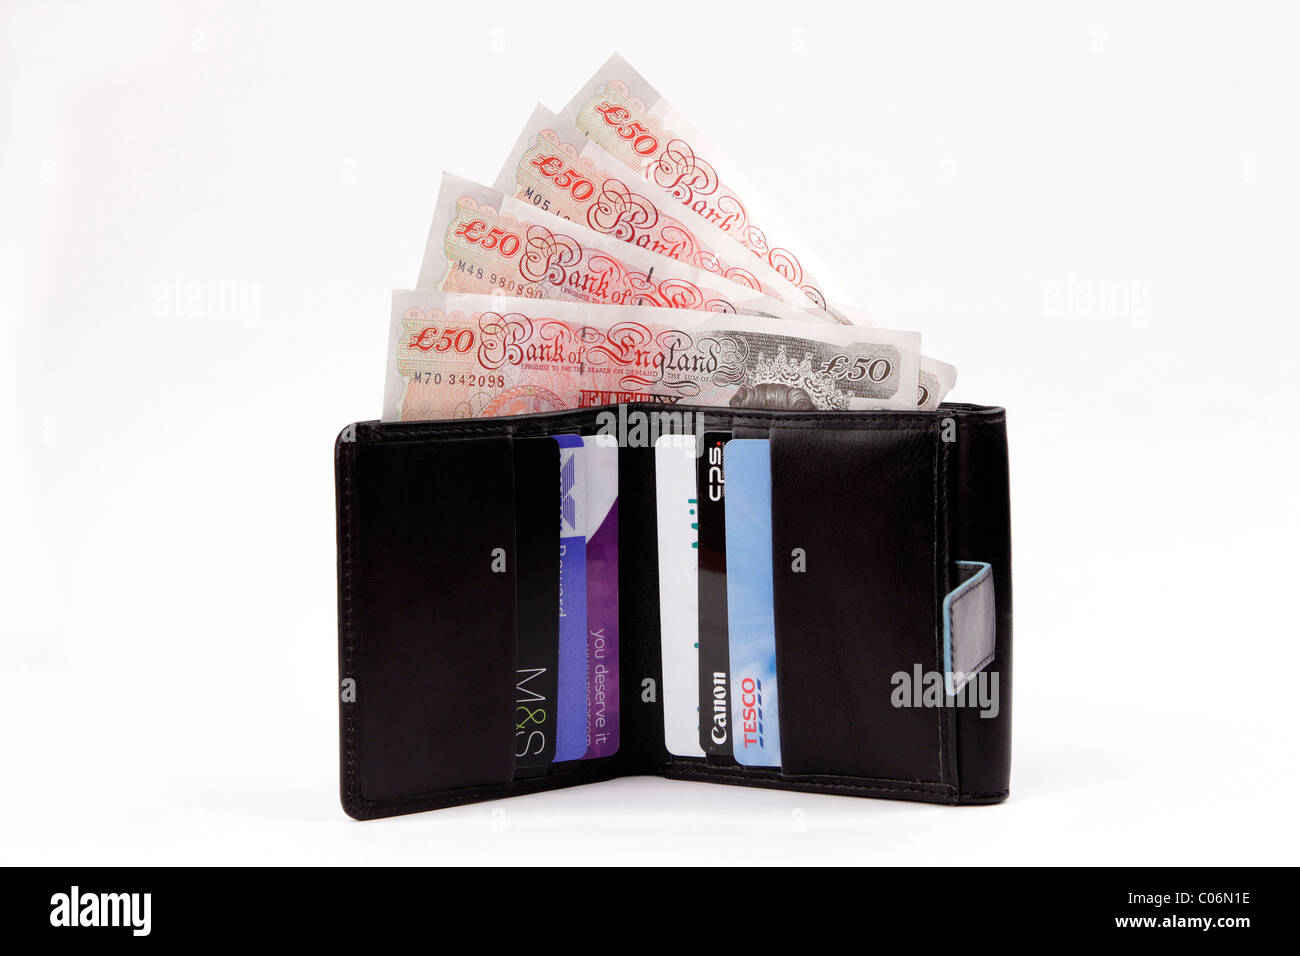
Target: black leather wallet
893,633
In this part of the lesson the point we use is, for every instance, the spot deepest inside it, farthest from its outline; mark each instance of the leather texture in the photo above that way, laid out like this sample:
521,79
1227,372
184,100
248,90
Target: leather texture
881,505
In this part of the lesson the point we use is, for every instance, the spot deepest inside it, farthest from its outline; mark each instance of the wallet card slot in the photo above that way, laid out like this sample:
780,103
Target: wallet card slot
855,534
428,594
538,496
640,658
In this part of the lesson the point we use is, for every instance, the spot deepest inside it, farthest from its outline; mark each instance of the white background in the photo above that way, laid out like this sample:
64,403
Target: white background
168,601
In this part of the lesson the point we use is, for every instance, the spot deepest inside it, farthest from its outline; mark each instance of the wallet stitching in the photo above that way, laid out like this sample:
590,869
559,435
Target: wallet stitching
883,419
934,603
934,584
461,797
455,796
818,781
349,732
987,659
951,724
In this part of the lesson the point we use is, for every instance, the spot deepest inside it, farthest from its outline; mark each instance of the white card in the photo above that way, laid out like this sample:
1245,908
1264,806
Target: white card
679,621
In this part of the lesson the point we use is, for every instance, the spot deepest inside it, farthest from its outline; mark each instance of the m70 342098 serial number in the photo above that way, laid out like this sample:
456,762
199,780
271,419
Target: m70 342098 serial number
459,378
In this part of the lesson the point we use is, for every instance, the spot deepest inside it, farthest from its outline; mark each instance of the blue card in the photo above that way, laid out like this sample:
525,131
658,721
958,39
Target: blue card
571,663
751,628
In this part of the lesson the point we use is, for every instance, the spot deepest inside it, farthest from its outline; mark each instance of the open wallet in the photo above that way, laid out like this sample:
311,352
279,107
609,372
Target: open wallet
863,560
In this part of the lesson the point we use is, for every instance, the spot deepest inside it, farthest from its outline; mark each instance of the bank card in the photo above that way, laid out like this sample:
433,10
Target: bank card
714,667
679,624
602,595
751,626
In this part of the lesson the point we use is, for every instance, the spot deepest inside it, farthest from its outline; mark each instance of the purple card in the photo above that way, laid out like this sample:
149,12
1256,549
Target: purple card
602,596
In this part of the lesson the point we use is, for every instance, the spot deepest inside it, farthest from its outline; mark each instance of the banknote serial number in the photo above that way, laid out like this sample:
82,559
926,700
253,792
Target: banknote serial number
503,283
459,378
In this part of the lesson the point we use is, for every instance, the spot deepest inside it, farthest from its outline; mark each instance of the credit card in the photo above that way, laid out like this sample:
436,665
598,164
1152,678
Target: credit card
679,598
751,627
602,595
714,668
571,665
537,592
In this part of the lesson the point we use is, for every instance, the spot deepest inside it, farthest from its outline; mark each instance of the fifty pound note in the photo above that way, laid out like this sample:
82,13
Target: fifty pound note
556,169
936,381
472,356
621,111
483,241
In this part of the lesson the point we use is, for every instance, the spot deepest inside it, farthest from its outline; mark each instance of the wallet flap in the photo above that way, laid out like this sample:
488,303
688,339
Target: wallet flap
428,621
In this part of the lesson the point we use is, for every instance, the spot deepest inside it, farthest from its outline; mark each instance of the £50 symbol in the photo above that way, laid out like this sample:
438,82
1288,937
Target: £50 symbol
565,177
857,369
643,143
